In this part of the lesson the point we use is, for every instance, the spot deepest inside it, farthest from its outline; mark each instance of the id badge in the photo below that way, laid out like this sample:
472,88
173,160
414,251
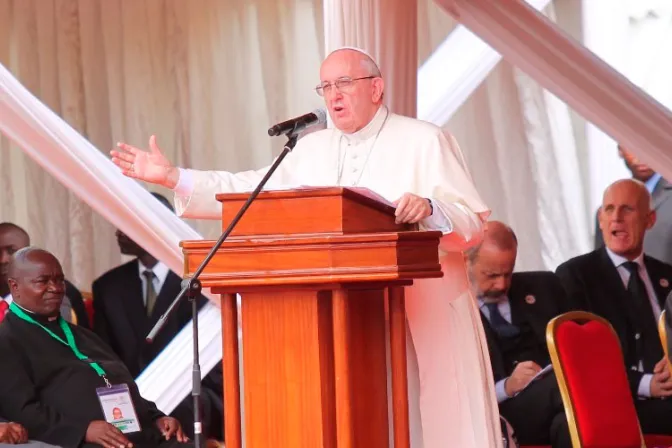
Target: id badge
118,407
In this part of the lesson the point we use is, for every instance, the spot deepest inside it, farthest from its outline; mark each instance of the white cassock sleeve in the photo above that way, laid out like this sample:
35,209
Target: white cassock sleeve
459,211
195,190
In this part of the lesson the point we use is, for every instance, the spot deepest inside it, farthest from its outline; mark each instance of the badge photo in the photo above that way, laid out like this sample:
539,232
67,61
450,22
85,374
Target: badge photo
118,408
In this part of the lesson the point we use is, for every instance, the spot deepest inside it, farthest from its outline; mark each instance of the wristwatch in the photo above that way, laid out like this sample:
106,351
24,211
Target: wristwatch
431,207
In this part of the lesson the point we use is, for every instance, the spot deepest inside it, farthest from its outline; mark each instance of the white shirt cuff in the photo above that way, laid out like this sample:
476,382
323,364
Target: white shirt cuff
185,183
438,220
500,391
644,389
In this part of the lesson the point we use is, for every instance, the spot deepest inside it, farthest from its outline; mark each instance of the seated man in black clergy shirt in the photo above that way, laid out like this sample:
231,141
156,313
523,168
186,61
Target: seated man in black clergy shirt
51,370
515,309
625,286
127,306
13,238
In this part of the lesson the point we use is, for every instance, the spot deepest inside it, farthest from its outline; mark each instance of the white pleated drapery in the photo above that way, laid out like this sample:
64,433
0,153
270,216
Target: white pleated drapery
456,68
574,74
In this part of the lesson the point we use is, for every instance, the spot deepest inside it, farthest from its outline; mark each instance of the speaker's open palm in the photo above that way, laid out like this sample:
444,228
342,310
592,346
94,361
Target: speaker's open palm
150,166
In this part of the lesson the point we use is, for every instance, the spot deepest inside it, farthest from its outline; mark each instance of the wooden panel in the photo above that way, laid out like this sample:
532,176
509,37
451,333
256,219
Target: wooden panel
397,309
343,392
332,210
317,259
368,368
360,368
288,371
231,372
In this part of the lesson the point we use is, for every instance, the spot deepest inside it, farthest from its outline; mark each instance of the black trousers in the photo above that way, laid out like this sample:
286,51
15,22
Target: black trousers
172,443
148,438
537,414
655,416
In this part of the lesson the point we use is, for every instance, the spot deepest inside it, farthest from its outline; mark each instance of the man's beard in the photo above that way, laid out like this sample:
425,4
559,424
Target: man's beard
493,295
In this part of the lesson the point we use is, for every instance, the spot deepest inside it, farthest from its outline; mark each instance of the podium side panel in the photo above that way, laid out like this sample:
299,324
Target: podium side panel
288,370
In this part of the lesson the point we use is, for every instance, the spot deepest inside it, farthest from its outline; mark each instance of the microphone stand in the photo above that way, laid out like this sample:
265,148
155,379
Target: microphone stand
191,288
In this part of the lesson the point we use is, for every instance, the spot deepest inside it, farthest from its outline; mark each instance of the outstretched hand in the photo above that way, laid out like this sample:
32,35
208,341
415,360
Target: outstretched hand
149,166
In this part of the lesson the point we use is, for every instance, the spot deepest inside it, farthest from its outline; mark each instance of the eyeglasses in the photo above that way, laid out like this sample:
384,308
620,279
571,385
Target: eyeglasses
341,84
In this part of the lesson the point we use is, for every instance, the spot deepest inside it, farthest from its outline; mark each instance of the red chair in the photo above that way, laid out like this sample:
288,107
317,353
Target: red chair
87,298
600,409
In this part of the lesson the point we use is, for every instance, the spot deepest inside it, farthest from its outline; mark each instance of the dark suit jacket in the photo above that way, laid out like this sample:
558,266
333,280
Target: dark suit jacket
658,240
77,304
593,284
549,302
121,319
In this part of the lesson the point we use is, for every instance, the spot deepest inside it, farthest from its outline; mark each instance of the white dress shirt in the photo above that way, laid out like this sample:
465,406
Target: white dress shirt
160,273
644,389
504,307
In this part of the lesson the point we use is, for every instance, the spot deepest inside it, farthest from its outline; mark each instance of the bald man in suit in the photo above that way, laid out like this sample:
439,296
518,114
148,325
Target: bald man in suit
623,284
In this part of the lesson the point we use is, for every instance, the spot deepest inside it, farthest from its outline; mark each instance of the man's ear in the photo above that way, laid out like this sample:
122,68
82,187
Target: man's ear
652,219
378,88
13,286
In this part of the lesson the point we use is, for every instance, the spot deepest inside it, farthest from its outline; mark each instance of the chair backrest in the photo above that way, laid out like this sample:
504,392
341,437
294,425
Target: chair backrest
589,366
662,332
87,297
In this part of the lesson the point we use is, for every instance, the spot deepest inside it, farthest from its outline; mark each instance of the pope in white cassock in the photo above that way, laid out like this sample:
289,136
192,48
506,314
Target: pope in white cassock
452,400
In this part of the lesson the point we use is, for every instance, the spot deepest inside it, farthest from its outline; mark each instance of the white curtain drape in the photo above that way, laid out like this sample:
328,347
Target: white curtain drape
510,124
573,73
632,36
207,77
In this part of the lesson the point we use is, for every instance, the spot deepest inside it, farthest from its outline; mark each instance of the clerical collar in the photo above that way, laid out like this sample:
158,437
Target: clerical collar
38,317
371,129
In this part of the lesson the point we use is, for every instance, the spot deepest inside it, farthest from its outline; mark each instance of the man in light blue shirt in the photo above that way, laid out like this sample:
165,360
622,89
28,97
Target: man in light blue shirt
515,309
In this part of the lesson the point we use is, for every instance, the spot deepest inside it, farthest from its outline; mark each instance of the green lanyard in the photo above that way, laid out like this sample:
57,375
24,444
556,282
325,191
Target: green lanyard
68,335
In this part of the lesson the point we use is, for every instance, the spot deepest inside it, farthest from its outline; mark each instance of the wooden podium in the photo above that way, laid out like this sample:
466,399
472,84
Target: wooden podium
319,272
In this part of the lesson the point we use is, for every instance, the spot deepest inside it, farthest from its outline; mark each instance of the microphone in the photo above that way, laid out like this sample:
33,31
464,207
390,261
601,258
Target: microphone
296,125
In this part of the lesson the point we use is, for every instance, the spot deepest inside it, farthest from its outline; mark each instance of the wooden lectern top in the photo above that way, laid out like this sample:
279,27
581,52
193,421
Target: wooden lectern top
310,210
314,236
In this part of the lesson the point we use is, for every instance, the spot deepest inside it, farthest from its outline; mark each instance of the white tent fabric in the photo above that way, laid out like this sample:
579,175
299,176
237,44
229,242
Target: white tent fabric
455,69
72,160
574,74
